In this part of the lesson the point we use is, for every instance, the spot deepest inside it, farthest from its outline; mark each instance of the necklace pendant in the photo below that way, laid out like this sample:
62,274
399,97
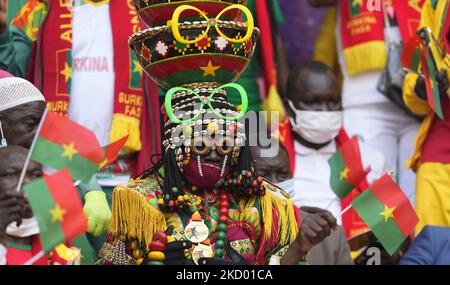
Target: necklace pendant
196,231
202,251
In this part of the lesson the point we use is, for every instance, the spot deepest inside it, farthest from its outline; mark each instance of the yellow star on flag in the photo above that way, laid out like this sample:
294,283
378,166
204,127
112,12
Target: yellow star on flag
66,72
210,69
387,213
137,67
357,3
57,214
69,150
344,173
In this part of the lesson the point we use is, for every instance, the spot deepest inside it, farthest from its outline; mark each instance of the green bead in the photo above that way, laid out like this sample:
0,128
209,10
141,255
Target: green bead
221,235
222,227
213,148
155,262
193,208
219,244
218,253
174,189
243,172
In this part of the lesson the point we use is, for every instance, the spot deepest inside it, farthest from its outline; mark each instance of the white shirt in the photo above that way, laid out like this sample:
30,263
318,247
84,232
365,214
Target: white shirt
92,89
360,89
312,175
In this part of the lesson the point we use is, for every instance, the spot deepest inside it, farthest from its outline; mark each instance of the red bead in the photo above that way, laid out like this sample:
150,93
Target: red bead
255,183
157,246
223,197
230,181
160,237
259,179
177,203
224,204
171,203
249,174
223,211
223,219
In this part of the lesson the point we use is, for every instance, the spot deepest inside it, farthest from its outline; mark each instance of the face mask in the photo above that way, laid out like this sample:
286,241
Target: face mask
288,186
316,126
29,227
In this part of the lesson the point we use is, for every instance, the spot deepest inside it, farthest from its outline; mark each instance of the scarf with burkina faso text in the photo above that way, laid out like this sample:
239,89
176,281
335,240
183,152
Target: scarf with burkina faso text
54,49
362,31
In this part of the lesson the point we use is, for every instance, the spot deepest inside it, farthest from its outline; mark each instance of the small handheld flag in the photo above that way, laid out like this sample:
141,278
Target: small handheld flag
112,152
387,211
57,207
62,143
346,168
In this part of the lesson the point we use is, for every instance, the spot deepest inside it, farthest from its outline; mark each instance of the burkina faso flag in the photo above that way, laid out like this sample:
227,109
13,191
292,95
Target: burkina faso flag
387,211
411,55
57,207
62,143
346,168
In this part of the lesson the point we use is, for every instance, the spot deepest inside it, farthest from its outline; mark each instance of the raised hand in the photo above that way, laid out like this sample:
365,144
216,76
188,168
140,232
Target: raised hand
12,206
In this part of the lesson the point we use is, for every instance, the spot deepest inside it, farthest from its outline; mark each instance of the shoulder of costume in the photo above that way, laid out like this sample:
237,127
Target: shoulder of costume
276,191
278,214
135,211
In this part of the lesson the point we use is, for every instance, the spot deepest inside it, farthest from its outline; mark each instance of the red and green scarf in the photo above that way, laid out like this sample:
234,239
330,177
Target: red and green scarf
362,31
54,61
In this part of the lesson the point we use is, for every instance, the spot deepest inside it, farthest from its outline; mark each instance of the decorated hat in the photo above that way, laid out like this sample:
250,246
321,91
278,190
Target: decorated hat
158,12
210,52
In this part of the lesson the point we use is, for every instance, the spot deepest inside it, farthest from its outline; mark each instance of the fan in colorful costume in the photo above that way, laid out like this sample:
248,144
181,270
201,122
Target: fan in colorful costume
204,190
207,189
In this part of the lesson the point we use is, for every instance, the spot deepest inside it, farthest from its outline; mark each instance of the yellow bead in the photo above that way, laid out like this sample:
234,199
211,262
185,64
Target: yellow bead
137,253
156,255
186,197
194,188
139,261
180,198
212,128
170,239
160,201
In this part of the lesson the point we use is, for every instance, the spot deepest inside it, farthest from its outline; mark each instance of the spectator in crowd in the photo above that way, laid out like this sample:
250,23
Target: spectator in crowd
430,247
314,105
361,37
77,54
431,158
274,166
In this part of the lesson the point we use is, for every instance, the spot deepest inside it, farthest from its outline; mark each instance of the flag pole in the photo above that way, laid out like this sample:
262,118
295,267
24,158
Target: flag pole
35,258
27,161
331,203
344,211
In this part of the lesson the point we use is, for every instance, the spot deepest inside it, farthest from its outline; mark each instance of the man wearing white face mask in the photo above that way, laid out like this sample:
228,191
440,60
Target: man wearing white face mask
314,105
